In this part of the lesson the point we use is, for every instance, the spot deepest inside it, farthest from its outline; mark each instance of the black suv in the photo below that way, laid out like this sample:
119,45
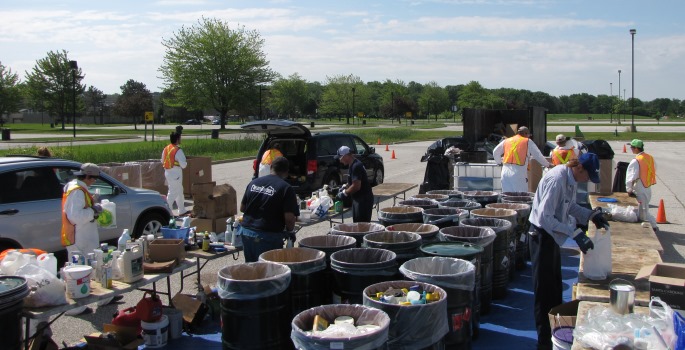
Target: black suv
312,157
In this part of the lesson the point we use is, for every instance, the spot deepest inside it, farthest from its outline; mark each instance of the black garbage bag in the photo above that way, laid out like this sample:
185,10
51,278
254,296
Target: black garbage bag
599,147
437,175
620,177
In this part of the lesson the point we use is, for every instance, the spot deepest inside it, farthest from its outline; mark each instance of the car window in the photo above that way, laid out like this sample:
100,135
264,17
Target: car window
30,185
65,175
325,147
342,140
359,146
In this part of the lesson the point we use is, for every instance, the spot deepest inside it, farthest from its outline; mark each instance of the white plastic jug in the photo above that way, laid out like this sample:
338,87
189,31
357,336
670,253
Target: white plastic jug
121,243
108,217
132,264
48,262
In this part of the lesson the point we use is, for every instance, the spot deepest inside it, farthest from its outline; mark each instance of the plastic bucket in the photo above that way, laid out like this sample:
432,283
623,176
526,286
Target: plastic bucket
77,279
511,216
412,326
155,334
356,268
457,278
444,217
255,306
13,290
176,233
482,197
307,271
465,204
404,244
468,252
357,230
562,338
375,339
420,203
520,230
400,215
328,244
428,233
175,317
453,194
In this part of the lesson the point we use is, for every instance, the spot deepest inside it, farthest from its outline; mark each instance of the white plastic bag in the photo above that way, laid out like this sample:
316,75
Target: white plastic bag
624,214
45,288
15,260
325,203
597,261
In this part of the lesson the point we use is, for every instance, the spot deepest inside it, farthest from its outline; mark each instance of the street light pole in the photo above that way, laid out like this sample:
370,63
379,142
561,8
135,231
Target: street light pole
74,66
392,103
611,100
632,79
353,108
619,95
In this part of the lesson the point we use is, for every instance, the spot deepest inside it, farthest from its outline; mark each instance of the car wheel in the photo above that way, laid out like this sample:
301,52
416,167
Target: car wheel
149,224
378,176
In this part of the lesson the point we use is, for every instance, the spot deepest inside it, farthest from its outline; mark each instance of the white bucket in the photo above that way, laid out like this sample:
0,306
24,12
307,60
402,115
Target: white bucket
155,334
175,321
562,338
77,279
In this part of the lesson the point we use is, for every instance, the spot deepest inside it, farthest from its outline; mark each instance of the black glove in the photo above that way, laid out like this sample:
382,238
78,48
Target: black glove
584,242
97,208
598,219
341,195
632,194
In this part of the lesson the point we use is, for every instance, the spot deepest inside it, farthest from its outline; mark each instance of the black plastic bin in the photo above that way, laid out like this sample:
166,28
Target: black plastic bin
307,268
457,278
215,133
404,244
465,204
520,230
5,134
428,232
255,306
356,268
511,216
482,197
375,339
400,215
357,230
13,290
328,244
444,217
412,327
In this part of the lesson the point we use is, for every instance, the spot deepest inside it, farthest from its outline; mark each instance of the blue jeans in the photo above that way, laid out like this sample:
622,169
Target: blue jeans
257,242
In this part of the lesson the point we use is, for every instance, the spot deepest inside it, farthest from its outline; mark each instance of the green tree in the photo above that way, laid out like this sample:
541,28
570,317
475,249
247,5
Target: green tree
10,92
51,84
394,101
134,101
434,99
212,65
338,94
289,95
94,100
474,95
314,93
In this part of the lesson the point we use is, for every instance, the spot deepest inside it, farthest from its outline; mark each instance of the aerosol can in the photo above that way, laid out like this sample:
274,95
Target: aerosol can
236,239
228,235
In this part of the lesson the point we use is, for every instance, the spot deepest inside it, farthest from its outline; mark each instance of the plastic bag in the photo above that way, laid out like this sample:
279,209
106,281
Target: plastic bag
45,288
679,329
624,214
15,260
324,203
597,261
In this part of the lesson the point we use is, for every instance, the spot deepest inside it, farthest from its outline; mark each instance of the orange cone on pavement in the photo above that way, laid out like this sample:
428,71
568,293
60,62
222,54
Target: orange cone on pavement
393,155
661,214
624,148
386,148
379,141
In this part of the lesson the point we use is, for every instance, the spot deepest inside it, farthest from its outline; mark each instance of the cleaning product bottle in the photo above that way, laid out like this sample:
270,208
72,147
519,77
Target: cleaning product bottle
205,242
48,262
228,235
186,222
121,244
116,265
132,264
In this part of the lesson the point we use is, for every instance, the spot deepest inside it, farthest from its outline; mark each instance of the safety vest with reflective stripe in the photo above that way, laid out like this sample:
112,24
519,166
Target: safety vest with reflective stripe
169,156
562,156
515,150
69,229
647,170
270,155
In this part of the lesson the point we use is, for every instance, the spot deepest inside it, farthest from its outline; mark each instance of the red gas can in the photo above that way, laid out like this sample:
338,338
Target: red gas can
149,309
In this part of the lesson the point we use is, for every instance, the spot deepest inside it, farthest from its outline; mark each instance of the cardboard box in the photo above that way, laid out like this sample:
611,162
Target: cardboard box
127,173
152,175
212,202
210,225
199,169
534,174
125,338
161,250
566,312
201,190
606,176
666,281
193,310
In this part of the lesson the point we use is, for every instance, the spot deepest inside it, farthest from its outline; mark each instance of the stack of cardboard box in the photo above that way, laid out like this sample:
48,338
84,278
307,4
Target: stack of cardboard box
199,170
212,206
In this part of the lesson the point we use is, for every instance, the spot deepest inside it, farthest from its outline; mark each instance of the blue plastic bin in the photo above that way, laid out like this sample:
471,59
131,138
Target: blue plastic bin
176,233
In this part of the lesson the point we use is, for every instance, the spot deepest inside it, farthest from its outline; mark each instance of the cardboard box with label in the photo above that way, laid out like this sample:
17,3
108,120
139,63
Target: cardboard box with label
213,202
666,281
199,169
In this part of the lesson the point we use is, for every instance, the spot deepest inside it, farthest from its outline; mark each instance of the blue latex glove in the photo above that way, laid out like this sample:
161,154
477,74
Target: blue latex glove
584,242
598,219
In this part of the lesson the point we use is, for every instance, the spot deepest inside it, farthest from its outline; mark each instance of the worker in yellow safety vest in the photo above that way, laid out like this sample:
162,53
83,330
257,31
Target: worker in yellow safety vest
268,158
640,176
565,150
174,161
513,154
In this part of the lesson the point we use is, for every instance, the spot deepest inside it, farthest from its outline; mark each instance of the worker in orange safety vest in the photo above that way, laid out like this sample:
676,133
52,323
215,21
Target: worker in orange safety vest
174,161
565,150
513,154
268,157
640,176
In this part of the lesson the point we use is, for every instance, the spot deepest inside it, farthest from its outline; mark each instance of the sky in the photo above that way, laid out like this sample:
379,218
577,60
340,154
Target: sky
560,47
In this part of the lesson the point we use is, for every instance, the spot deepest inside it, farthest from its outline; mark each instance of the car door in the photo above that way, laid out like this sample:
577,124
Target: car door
363,153
30,207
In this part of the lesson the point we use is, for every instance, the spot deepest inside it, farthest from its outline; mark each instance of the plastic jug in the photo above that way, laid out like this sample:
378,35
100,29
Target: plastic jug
125,237
131,264
116,266
48,262
108,217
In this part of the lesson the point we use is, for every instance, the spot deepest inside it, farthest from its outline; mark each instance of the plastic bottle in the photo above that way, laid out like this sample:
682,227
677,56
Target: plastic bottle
125,237
116,265
205,242
228,235
48,262
132,264
186,222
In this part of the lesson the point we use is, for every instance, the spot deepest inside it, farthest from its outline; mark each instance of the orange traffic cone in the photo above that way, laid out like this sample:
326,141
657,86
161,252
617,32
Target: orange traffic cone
379,141
393,155
386,148
661,214
624,148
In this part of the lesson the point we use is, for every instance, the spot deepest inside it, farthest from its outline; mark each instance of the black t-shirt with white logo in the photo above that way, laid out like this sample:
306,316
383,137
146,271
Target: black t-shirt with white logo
266,199
358,172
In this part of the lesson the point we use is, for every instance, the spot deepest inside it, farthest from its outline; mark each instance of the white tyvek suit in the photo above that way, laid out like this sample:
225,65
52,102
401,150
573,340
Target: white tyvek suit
515,177
174,178
644,195
86,227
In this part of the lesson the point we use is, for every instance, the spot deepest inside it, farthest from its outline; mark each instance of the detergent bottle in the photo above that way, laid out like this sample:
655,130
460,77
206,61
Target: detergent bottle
132,264
125,237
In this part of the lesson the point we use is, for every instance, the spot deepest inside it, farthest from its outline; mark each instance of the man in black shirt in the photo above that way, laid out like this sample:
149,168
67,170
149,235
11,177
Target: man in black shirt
358,186
270,209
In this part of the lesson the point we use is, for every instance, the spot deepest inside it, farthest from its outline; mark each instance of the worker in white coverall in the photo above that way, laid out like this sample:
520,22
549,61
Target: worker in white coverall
174,161
79,219
513,154
640,176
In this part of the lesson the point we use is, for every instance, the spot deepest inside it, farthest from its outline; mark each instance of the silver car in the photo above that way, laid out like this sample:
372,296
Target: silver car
31,203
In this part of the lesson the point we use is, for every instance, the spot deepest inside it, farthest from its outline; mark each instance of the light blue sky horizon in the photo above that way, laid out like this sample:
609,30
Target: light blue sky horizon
560,47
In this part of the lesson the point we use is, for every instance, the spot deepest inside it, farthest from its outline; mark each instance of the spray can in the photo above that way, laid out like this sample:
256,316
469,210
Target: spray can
205,242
